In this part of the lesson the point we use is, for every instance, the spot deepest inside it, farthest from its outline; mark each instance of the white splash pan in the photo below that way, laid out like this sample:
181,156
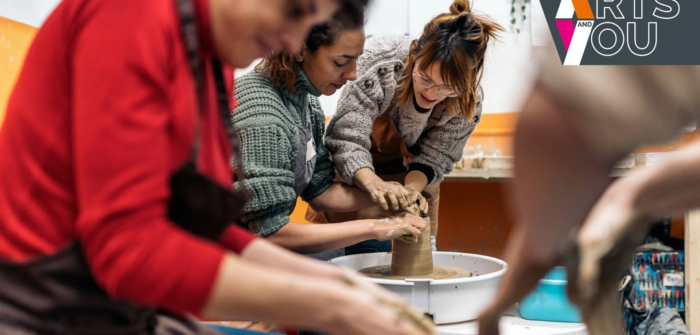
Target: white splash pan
447,300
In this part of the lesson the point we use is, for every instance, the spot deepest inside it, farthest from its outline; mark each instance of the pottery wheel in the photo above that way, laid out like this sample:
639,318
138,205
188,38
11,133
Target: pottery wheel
439,272
414,260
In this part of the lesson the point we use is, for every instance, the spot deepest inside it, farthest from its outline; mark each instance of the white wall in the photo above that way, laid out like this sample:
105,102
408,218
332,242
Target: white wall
509,64
31,12
387,17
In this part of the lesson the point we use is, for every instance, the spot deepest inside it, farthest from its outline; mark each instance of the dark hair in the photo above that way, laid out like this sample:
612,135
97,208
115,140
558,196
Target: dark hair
280,67
351,13
457,41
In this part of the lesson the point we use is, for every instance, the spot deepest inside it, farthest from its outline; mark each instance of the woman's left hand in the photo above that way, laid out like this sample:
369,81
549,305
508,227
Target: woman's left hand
416,197
395,193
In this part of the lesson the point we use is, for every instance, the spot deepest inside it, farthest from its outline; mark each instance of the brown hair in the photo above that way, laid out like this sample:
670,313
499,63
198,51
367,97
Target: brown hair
281,67
457,41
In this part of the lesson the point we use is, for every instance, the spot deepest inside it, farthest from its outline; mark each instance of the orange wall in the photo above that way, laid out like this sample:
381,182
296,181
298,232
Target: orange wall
495,132
15,39
474,217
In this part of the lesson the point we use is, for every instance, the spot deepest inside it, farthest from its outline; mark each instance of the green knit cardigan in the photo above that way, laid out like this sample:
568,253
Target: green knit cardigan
268,134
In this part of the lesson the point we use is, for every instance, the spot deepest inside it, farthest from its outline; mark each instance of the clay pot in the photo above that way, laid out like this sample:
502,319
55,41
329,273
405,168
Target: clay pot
413,259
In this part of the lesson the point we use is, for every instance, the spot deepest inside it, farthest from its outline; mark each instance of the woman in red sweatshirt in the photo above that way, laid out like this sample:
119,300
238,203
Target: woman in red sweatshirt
115,177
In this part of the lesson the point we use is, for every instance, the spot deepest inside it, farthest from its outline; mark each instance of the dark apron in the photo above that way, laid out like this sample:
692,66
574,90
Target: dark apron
57,294
388,151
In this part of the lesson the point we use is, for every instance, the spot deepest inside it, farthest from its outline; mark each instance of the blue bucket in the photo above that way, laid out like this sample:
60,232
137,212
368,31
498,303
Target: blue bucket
549,302
233,331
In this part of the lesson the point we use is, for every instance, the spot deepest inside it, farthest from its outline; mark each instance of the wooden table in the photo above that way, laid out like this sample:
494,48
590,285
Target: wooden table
692,238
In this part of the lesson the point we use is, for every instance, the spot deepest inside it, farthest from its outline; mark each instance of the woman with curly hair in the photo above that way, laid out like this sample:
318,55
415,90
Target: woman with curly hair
280,125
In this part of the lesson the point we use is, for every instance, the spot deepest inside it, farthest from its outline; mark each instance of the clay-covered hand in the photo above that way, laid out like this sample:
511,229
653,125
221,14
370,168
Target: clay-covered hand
408,319
416,197
413,209
356,307
406,227
389,195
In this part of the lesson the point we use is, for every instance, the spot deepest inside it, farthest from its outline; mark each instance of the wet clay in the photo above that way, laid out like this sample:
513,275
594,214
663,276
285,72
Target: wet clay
439,272
413,259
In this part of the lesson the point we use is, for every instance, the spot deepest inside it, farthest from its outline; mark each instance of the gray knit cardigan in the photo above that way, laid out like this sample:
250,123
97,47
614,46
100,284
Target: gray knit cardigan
378,72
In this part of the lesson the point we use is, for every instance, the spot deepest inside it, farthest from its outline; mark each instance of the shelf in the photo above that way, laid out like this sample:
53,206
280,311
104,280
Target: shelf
472,175
478,175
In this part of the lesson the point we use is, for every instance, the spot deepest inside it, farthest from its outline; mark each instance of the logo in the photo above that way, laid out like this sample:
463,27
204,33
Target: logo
624,32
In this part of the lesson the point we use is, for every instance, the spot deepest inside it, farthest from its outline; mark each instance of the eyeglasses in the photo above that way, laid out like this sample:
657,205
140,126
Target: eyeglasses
427,83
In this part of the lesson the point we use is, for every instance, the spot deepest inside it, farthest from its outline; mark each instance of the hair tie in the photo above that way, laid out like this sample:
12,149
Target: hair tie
468,12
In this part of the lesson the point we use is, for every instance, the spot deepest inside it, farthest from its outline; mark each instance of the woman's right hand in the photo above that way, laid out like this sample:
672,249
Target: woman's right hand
368,309
333,302
386,194
405,226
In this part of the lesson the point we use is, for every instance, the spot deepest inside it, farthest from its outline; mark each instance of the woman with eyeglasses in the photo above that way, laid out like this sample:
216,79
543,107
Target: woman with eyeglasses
401,126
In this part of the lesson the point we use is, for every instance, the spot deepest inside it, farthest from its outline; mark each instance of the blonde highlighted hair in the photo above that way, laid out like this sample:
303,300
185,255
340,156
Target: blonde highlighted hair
457,41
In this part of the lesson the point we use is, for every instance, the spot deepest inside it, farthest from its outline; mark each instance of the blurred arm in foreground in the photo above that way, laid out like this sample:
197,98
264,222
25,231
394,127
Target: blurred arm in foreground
575,125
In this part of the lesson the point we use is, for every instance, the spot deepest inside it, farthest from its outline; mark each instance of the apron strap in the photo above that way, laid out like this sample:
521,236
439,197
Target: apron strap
222,99
310,118
190,31
190,37
435,116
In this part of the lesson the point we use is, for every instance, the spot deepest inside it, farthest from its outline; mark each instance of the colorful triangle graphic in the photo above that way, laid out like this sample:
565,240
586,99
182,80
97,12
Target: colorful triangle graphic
566,31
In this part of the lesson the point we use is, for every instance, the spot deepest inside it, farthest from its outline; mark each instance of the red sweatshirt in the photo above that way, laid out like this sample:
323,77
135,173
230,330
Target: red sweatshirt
102,115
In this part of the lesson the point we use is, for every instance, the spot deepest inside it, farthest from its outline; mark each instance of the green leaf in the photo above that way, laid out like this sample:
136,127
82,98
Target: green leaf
512,9
524,17
518,31
512,21
522,8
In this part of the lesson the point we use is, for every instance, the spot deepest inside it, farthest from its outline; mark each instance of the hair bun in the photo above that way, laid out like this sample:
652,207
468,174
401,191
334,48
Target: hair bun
459,7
